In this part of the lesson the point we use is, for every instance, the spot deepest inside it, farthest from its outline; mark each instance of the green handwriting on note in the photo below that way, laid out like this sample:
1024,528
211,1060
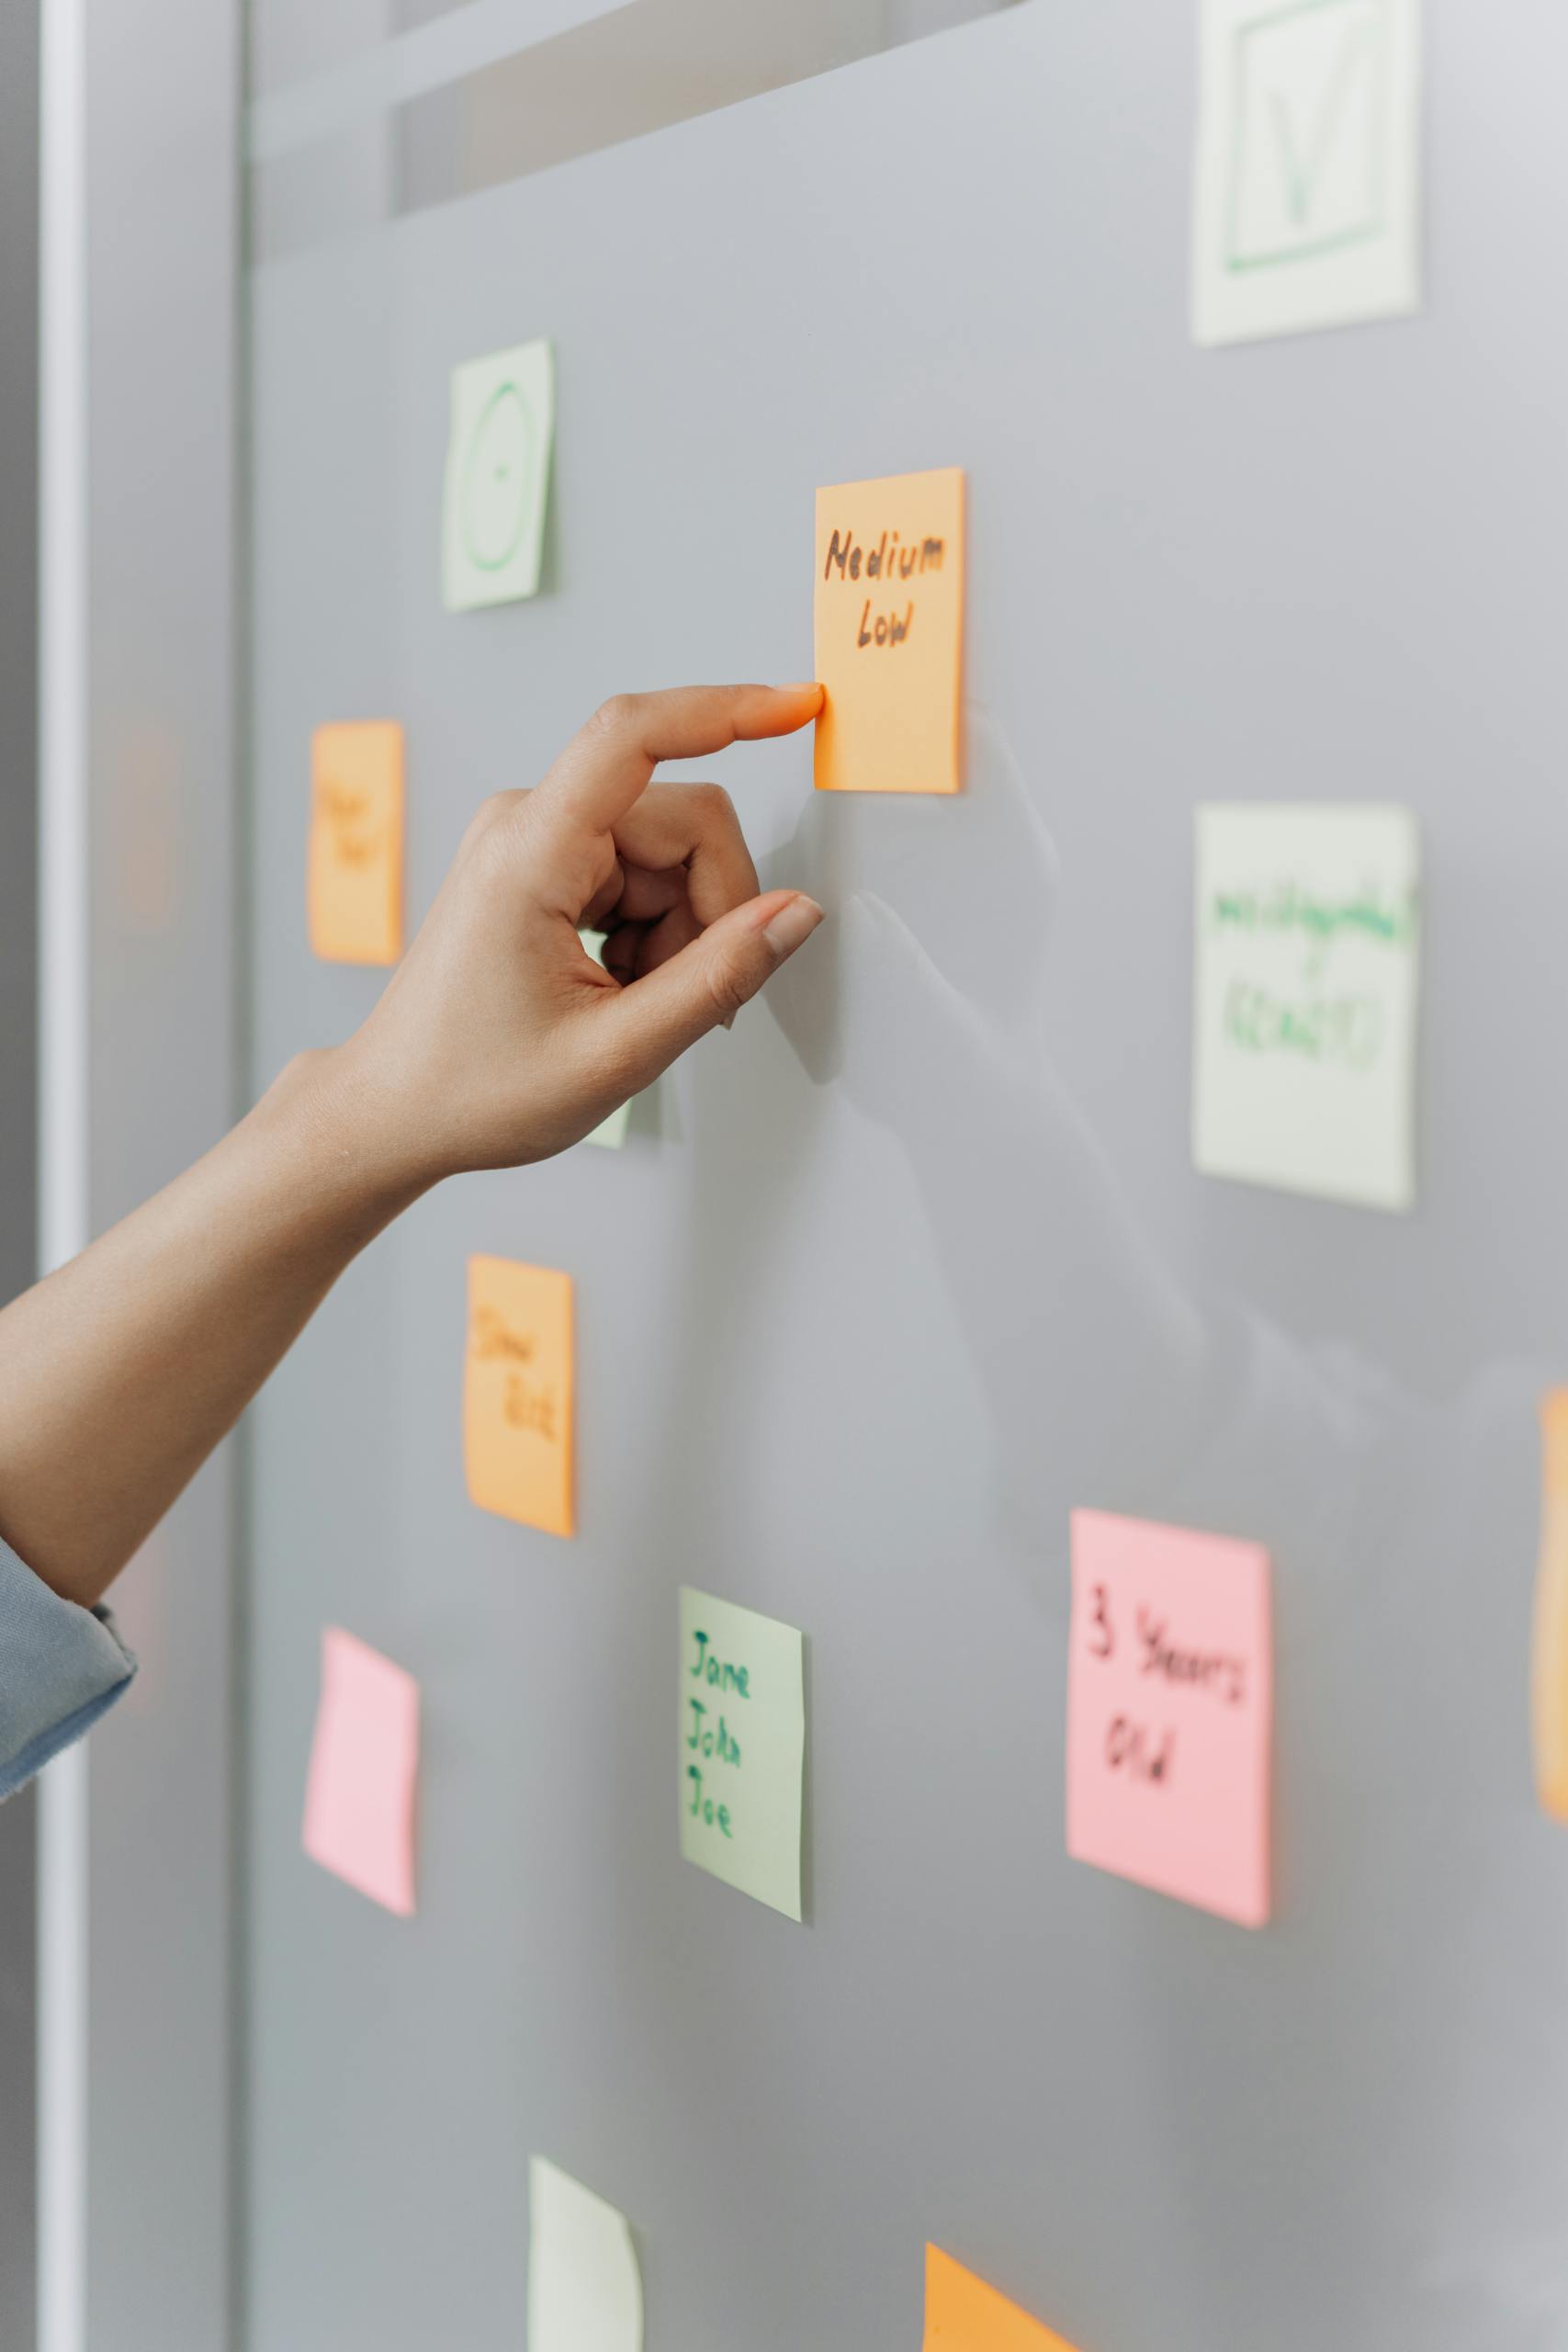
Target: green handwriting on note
1289,905
1308,932
1308,162
742,1748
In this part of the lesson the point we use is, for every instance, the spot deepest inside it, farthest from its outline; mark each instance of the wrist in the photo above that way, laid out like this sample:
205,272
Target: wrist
343,1137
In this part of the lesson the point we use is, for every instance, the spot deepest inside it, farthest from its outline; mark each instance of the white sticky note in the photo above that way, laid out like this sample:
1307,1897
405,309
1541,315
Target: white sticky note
610,1130
584,2287
1308,936
1307,191
498,477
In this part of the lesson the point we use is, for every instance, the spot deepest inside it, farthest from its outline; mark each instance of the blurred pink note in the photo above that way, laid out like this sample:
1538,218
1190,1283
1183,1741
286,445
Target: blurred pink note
359,1802
1170,1702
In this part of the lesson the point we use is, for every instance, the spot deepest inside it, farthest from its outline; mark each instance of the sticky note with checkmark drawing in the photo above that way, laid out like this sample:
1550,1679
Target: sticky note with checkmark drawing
1307,200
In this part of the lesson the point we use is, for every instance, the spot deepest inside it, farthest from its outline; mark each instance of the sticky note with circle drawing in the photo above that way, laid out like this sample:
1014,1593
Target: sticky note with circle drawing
498,477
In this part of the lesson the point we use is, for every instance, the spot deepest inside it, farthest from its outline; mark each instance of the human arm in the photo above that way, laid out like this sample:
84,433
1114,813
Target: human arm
498,1041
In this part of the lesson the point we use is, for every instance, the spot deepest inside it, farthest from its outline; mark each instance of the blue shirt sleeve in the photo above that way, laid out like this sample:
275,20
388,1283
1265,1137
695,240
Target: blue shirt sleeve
61,1668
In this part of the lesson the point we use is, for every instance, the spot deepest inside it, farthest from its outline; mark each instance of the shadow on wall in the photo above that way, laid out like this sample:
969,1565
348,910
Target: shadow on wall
1385,2014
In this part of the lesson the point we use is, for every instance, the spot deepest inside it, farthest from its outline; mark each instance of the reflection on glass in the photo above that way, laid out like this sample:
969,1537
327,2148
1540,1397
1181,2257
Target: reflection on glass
376,106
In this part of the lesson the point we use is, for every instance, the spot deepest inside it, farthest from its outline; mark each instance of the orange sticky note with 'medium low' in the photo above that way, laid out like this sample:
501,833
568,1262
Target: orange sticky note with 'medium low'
889,630
517,1393
1171,1703
359,1800
355,866
962,2314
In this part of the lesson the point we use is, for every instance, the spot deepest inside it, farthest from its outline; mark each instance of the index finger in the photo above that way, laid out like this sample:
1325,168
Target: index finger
609,764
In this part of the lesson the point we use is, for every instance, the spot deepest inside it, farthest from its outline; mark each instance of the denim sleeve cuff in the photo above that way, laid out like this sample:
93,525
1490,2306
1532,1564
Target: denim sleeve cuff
61,1668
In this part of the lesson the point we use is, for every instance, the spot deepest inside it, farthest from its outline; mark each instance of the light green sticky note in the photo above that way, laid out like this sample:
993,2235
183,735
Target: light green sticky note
1304,1007
742,1748
498,477
1307,205
584,2287
610,1130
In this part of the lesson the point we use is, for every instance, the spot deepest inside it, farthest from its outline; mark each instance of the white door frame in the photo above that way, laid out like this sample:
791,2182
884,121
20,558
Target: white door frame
139,295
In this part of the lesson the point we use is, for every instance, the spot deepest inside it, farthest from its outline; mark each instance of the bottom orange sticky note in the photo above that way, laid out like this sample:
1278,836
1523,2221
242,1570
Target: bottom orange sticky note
962,2314
1548,1646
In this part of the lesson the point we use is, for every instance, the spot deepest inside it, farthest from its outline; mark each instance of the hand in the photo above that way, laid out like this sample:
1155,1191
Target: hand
500,1040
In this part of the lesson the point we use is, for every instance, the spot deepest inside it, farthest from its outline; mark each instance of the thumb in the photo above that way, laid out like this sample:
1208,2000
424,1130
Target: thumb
656,1018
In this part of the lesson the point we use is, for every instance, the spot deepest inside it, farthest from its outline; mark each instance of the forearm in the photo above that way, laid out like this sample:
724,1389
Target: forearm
121,1373
497,1042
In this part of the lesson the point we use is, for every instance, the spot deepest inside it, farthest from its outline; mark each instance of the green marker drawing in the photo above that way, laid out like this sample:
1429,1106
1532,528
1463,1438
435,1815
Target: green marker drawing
1304,171
1289,906
496,472
1363,50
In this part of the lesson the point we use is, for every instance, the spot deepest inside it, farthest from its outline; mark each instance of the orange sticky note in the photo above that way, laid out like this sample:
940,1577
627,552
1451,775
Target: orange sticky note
1548,1646
889,615
1170,1699
359,1800
962,2314
354,867
517,1393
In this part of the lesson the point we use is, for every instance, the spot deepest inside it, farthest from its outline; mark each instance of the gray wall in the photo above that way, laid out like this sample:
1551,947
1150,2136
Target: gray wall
917,1259
18,1031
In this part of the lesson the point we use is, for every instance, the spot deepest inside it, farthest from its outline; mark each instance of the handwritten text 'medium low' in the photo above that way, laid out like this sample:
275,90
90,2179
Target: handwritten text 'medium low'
889,559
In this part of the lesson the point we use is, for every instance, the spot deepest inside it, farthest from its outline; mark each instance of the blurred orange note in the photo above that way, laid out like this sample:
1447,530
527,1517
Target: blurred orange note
1548,1650
962,2314
517,1393
889,615
355,881
359,1800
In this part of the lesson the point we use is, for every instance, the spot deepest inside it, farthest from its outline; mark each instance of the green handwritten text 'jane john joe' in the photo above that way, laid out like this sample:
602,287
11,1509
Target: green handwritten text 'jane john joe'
742,1748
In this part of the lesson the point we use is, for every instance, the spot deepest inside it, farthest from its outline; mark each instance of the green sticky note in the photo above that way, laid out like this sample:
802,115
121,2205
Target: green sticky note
498,476
743,1764
584,2286
1305,999
1307,207
612,1129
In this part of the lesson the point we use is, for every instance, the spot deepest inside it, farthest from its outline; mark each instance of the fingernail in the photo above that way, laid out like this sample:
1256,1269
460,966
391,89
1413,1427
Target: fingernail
791,925
801,686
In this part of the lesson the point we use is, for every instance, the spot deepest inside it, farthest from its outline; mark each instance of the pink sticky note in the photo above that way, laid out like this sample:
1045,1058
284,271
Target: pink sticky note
360,1797
1170,1702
